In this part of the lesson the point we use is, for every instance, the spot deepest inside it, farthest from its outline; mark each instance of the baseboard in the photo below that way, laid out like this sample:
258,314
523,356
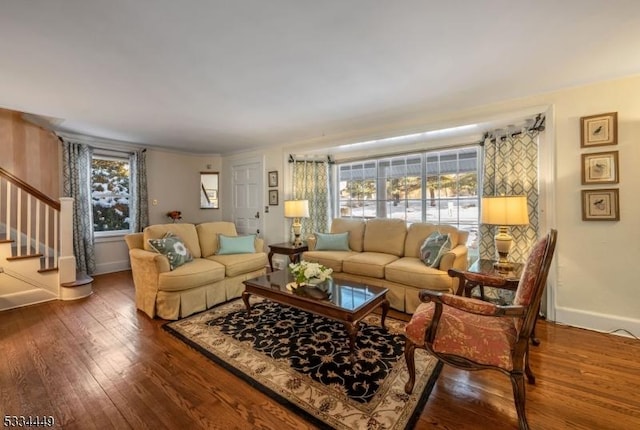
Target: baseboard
112,266
604,323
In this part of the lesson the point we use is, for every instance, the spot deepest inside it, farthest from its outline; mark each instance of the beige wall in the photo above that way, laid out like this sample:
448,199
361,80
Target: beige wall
30,153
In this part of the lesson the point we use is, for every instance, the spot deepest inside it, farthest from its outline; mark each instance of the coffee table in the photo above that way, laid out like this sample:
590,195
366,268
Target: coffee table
345,301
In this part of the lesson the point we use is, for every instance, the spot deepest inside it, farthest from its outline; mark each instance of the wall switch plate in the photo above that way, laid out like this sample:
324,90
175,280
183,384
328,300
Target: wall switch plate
266,209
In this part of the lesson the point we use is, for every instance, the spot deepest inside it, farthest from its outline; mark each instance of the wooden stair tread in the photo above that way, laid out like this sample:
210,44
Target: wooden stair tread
50,269
81,280
6,241
22,257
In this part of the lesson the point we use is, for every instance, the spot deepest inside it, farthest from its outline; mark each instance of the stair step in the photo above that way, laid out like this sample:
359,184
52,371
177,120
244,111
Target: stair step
47,264
22,257
5,240
50,269
81,280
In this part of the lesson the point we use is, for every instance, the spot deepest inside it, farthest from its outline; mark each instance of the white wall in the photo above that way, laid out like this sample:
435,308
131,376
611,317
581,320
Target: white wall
594,281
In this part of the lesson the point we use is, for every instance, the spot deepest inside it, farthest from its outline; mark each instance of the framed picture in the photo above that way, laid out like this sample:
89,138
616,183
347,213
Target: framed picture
273,178
273,197
599,130
600,205
600,168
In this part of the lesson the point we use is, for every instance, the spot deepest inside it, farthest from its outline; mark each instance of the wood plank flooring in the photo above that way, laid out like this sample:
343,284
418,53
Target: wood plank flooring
97,363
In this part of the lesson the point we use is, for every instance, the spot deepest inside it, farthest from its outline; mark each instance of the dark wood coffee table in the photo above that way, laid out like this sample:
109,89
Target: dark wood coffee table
344,301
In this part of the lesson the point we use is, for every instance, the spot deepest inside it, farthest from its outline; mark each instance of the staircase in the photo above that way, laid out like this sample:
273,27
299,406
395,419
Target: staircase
36,251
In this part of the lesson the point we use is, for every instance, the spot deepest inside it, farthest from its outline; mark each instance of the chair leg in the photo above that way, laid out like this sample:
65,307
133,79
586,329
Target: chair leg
517,382
409,350
531,378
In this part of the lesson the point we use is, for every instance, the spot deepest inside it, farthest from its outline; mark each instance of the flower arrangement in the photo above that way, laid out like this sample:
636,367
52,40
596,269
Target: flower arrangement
174,215
306,272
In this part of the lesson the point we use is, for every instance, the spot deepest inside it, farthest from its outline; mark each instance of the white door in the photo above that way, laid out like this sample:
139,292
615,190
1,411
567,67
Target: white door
247,197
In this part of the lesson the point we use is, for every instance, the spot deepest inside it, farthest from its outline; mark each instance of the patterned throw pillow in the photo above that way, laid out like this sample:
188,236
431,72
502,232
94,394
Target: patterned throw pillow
434,247
173,248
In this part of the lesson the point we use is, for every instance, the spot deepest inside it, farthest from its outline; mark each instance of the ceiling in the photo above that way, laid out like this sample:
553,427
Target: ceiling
215,76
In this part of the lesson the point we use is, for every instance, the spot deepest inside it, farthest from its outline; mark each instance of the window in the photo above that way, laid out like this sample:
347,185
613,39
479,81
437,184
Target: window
439,187
110,192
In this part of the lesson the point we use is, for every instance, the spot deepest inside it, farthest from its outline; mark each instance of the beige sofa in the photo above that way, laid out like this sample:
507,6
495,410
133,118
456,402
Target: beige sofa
197,285
384,252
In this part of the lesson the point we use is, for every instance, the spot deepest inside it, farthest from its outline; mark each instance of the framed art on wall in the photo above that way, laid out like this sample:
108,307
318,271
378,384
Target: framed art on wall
600,168
273,197
599,130
273,178
600,205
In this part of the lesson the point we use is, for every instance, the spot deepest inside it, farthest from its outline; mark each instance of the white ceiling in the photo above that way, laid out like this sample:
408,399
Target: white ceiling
215,76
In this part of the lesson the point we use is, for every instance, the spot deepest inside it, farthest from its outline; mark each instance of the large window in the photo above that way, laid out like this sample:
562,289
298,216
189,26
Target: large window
439,187
110,194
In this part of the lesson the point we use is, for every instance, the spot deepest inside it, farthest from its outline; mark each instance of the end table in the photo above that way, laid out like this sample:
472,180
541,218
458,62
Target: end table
294,252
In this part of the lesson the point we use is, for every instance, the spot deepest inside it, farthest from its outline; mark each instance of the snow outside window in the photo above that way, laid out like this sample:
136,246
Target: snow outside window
110,195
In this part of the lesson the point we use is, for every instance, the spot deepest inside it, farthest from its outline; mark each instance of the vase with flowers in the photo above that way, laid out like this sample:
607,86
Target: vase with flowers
308,273
175,216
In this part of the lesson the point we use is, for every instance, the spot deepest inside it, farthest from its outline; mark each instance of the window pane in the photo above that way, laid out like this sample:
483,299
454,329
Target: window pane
110,194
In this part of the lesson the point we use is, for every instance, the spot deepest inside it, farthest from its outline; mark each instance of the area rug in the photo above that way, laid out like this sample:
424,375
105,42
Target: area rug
303,361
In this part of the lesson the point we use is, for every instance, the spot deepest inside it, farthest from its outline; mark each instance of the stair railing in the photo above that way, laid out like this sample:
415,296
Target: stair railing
33,217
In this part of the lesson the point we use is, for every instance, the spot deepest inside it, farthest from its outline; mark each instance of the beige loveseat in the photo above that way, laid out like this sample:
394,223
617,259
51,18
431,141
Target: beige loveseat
197,285
384,252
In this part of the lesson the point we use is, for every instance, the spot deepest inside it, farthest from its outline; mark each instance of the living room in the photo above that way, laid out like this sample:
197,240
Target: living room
590,284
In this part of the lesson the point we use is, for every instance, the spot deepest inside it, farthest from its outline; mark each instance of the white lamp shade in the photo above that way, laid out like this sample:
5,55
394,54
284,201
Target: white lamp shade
296,208
505,210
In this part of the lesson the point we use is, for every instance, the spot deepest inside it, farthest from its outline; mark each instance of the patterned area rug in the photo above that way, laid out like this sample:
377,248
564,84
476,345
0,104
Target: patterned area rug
302,360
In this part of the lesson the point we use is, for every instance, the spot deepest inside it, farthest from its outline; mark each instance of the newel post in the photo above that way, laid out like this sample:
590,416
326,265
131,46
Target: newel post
67,261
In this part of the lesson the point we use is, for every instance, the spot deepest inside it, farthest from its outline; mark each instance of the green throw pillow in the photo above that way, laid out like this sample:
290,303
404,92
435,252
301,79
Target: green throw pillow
236,244
332,242
434,247
173,248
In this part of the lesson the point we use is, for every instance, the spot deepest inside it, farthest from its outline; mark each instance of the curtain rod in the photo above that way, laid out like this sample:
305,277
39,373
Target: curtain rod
538,125
328,160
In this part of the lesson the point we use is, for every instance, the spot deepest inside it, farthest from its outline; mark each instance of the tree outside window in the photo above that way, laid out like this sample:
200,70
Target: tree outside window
110,194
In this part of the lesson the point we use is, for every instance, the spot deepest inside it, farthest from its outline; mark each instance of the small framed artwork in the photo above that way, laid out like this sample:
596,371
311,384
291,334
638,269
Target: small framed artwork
273,178
273,197
599,130
600,205
600,168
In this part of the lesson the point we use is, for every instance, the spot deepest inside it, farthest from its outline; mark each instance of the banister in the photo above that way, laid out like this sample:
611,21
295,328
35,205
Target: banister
31,190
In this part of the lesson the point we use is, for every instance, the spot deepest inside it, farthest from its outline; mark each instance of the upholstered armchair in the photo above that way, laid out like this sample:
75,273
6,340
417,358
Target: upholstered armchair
472,334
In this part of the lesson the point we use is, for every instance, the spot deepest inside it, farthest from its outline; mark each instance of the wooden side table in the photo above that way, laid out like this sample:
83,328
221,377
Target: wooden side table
485,267
294,252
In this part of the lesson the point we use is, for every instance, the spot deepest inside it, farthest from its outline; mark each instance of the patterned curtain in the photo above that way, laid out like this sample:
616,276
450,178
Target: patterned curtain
311,182
76,183
139,200
511,168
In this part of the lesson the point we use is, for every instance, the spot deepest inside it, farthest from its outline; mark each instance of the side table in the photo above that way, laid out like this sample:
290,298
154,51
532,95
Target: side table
294,252
485,267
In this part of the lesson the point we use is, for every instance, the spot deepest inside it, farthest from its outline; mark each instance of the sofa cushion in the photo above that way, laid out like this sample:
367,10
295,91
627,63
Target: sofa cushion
354,227
173,248
419,231
434,247
368,264
332,241
228,245
238,264
191,275
331,259
186,232
385,236
208,235
412,271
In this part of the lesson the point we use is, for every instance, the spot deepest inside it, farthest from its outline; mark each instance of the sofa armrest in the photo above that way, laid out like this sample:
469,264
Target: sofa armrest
259,244
454,259
149,261
311,242
146,267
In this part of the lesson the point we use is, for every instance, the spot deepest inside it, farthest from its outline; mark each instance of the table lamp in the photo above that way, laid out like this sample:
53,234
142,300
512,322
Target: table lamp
504,211
296,209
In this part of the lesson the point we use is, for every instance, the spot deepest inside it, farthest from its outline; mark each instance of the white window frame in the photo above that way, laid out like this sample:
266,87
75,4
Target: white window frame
112,156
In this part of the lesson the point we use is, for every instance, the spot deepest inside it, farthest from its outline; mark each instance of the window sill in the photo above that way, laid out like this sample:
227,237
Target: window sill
110,237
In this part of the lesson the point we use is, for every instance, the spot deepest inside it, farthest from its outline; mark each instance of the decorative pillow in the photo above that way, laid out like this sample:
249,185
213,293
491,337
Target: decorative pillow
236,244
332,241
434,247
173,248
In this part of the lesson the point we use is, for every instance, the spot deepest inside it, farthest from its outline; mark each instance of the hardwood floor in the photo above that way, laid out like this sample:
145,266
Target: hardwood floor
97,363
